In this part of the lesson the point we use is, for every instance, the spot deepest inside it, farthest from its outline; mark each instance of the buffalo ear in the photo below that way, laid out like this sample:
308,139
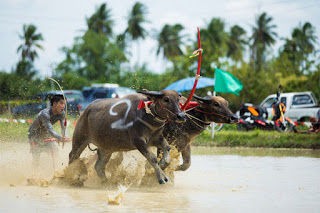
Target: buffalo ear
206,100
151,94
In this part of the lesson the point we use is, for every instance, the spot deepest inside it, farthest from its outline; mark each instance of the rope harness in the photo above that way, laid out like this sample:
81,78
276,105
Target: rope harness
194,119
156,116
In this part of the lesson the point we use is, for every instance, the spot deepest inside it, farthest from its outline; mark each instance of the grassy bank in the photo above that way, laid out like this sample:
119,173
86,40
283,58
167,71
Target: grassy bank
16,132
229,138
258,138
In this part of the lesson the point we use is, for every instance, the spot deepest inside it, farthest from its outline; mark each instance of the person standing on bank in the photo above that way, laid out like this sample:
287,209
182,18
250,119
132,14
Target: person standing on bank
42,137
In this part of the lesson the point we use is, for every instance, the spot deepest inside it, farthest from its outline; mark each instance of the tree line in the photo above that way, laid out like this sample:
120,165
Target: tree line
100,55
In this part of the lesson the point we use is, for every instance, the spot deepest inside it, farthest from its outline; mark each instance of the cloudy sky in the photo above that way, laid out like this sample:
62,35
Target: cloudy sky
60,21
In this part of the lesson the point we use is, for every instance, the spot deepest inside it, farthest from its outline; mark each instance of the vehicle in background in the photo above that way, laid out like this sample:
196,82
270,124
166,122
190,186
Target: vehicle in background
256,117
253,117
88,92
74,100
99,91
29,109
300,106
41,101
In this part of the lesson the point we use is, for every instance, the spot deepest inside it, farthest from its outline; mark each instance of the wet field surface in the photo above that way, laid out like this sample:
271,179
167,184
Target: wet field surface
219,180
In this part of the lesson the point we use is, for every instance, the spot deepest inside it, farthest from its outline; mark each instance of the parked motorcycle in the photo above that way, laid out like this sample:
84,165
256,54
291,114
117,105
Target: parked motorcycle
252,117
281,123
256,117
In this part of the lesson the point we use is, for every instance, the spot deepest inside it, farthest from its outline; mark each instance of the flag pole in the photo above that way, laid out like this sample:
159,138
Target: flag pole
198,53
213,124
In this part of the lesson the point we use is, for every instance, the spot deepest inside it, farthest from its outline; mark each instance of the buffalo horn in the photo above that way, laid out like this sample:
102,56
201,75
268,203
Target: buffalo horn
151,93
206,99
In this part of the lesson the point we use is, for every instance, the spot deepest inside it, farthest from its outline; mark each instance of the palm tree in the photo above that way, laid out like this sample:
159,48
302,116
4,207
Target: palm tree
290,50
28,51
300,46
236,43
135,21
305,37
216,36
121,41
100,21
306,40
170,41
30,40
263,37
214,40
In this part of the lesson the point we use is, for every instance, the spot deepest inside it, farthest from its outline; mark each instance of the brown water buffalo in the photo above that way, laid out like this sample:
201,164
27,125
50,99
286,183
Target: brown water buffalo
206,110
118,125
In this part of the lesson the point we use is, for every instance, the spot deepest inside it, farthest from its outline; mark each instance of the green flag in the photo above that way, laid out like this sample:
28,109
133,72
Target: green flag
226,82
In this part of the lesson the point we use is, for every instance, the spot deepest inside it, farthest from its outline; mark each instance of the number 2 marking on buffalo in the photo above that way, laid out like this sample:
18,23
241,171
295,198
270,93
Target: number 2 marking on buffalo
120,124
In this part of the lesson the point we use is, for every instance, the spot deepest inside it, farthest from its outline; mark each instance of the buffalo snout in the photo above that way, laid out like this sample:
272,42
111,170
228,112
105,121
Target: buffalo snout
181,117
234,118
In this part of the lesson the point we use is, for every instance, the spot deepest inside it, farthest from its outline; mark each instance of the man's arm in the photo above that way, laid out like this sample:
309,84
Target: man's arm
45,120
63,128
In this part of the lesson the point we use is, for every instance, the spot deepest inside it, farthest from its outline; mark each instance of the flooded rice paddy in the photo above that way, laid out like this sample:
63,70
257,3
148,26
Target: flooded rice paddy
219,180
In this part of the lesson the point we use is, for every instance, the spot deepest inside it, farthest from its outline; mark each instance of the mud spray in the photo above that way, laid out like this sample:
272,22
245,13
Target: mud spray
124,170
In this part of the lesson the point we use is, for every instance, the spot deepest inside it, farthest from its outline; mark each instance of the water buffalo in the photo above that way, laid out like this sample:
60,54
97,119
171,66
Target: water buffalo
206,110
118,125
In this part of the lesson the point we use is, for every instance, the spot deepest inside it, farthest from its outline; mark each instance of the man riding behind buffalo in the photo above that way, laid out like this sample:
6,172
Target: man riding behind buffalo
42,137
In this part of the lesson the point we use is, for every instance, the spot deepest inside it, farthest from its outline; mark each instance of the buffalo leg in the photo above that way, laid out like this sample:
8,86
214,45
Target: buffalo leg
165,147
79,141
186,157
76,151
100,165
152,159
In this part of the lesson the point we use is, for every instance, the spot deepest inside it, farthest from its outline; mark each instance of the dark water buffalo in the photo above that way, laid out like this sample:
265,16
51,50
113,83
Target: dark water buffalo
118,125
208,109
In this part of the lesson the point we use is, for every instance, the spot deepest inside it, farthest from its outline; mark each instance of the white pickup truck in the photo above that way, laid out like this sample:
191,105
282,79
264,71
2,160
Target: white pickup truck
300,106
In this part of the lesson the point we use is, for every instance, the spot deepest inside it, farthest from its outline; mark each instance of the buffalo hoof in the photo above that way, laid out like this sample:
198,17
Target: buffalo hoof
76,173
163,181
183,167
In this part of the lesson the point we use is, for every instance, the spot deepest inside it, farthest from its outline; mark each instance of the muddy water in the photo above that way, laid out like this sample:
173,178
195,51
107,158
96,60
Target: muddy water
219,180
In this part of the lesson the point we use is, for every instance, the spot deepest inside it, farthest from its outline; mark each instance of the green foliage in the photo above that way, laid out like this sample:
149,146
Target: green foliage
142,79
73,81
100,58
97,55
314,82
25,69
13,86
